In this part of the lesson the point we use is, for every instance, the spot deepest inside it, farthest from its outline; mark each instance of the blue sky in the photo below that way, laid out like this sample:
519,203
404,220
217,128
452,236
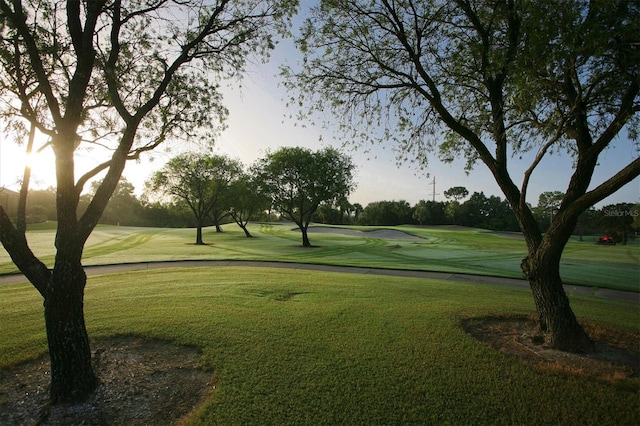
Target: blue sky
259,120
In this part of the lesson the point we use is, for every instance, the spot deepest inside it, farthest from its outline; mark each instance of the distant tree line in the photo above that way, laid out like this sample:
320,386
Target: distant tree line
240,200
621,221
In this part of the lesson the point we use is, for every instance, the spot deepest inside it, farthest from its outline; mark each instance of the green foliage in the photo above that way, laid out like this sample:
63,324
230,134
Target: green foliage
549,203
589,46
302,347
430,213
123,207
480,211
414,65
387,213
41,205
201,182
299,180
456,192
135,71
246,200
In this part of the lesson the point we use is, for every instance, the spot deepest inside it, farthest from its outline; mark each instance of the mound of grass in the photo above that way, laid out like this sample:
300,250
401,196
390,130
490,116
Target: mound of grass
302,347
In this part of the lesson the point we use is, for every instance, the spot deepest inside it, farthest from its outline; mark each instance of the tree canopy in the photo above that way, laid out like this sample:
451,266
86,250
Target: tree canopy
299,180
200,181
456,192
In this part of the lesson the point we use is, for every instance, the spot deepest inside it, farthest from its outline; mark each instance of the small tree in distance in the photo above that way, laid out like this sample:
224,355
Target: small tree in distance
548,204
456,192
123,207
247,200
199,181
299,180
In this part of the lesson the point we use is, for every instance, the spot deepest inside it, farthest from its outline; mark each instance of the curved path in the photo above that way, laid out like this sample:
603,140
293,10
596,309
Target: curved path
446,276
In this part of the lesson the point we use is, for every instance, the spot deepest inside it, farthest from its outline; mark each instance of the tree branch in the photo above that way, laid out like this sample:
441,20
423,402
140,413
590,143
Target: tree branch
625,112
611,185
16,245
539,156
18,19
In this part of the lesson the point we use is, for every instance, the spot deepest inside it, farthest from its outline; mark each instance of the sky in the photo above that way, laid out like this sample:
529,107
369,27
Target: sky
260,120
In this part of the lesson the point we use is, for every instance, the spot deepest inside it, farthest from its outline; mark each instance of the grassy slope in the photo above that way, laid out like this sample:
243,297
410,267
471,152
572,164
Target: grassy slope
440,249
319,348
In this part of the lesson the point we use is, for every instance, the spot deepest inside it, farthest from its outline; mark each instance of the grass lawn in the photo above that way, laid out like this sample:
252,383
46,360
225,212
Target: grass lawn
471,251
302,347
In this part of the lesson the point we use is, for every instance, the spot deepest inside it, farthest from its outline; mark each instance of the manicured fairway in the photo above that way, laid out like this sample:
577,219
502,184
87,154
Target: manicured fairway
292,347
443,249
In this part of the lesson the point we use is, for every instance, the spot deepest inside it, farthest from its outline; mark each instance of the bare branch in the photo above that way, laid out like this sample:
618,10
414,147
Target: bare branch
539,156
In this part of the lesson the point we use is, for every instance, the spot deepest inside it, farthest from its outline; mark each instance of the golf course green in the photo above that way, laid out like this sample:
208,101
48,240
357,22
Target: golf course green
443,249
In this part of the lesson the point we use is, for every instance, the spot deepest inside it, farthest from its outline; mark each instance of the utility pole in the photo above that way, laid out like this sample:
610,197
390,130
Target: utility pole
433,189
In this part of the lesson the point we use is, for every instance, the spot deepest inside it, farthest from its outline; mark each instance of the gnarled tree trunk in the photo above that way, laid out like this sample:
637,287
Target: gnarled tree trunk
72,375
556,321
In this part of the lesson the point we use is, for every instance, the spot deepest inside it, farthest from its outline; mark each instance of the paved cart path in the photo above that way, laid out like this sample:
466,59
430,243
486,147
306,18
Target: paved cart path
446,276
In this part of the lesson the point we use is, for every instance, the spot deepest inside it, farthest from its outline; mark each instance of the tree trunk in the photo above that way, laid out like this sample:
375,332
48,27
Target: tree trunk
556,320
199,235
72,376
305,239
557,323
305,236
246,231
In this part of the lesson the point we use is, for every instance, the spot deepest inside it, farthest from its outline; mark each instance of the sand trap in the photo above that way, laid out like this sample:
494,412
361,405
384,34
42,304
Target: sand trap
388,234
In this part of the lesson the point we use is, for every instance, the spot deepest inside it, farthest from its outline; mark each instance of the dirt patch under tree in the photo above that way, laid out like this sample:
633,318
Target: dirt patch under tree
616,355
141,382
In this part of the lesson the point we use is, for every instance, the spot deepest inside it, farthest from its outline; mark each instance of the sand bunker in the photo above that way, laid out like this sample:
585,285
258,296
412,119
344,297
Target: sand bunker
389,234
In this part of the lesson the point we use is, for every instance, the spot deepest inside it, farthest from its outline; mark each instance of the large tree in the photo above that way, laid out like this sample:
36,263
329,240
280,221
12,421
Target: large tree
119,77
200,181
489,81
299,180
